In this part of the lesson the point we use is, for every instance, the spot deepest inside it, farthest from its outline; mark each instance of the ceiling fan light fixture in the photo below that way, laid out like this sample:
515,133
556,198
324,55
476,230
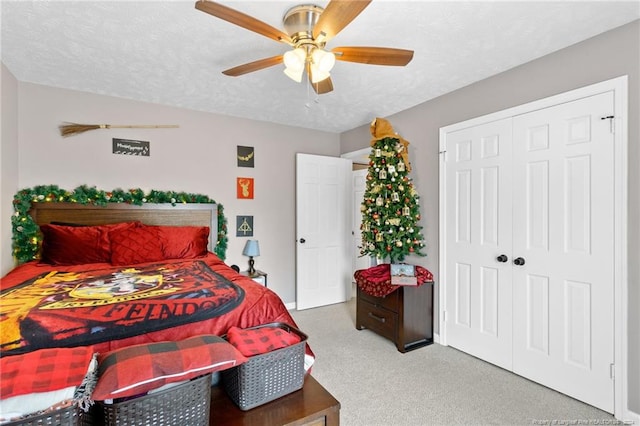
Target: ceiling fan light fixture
323,60
317,75
295,59
295,75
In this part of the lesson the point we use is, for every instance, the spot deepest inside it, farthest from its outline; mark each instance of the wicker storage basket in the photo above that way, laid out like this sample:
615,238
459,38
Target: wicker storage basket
268,376
69,416
184,404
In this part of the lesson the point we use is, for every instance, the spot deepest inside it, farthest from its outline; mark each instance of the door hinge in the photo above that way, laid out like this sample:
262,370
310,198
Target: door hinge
444,154
612,371
612,127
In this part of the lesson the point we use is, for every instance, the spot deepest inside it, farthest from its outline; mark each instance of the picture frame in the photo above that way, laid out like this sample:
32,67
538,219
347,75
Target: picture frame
244,188
403,274
244,226
245,156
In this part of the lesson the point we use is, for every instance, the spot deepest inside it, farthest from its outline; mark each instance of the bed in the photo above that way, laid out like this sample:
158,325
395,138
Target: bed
145,294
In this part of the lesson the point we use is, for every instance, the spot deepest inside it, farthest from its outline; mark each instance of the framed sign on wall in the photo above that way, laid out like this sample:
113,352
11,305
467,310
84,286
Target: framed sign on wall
244,187
245,156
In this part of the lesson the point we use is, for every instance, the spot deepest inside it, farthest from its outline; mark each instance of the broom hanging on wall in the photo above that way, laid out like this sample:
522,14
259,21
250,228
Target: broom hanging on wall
70,129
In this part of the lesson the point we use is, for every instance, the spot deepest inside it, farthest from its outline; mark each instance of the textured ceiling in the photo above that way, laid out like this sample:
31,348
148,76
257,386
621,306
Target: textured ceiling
167,52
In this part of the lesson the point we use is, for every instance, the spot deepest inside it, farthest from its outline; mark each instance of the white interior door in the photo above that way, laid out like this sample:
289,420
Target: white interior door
323,218
538,188
563,229
359,182
479,232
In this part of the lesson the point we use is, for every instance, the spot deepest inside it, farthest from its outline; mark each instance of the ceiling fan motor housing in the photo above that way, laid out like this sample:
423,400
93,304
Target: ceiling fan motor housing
299,22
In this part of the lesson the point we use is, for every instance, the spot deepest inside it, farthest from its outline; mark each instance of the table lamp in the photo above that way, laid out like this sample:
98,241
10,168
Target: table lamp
251,249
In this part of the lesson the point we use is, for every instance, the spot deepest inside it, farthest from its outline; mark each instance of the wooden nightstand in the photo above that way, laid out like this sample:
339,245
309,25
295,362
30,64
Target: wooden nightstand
260,277
310,406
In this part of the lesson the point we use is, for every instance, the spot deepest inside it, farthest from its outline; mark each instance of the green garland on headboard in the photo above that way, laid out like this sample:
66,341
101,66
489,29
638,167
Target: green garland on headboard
26,234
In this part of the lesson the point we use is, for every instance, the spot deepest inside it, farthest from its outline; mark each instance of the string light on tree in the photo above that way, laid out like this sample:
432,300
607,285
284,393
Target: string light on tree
390,208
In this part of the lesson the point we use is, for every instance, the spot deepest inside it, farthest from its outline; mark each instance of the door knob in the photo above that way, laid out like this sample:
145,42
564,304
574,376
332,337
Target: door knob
502,258
302,241
518,261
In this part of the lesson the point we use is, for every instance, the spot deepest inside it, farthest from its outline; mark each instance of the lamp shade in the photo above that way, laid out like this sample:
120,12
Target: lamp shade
251,248
323,60
295,75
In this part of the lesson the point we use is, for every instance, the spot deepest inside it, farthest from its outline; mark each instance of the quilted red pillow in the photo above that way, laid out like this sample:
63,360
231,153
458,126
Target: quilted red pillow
43,370
256,341
74,245
184,242
135,370
135,245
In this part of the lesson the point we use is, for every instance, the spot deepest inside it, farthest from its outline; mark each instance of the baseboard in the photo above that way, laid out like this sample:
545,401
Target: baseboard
631,417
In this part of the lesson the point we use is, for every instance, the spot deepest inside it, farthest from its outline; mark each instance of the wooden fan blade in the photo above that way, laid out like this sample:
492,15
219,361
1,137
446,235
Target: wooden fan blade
321,87
373,55
337,15
242,20
253,66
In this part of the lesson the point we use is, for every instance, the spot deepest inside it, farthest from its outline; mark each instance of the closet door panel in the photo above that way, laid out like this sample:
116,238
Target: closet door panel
563,230
479,171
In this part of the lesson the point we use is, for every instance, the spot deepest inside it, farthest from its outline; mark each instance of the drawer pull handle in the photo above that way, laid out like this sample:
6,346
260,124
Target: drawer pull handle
377,318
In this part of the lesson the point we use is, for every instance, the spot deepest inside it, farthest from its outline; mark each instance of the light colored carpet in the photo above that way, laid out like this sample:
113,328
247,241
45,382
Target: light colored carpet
377,385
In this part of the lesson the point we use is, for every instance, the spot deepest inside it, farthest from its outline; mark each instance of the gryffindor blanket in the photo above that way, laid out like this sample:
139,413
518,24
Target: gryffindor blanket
58,308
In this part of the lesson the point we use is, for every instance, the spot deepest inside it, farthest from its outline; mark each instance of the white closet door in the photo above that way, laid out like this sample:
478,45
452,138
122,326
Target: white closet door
563,227
478,204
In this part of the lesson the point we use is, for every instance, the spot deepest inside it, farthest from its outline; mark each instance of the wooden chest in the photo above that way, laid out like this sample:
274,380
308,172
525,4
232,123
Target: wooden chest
405,316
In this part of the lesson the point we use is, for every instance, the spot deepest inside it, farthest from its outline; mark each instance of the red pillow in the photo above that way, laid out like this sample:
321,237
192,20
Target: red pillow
130,246
73,245
135,370
256,341
43,370
184,242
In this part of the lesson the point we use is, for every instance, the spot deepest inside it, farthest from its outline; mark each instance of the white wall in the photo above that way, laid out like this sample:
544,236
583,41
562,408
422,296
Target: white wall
198,157
8,163
609,55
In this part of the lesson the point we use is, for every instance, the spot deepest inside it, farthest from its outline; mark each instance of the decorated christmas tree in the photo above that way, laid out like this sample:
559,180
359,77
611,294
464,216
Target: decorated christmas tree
390,208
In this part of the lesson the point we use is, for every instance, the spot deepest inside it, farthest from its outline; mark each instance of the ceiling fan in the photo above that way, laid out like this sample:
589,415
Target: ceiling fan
308,29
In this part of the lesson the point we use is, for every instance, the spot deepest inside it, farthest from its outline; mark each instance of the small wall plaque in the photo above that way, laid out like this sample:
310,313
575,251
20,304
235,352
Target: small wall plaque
244,187
131,147
244,226
245,156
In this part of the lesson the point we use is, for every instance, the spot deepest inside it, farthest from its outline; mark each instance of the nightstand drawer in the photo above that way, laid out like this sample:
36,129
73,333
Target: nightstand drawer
390,301
375,318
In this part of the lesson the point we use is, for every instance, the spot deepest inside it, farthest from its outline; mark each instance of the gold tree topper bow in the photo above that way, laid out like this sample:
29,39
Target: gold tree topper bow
380,129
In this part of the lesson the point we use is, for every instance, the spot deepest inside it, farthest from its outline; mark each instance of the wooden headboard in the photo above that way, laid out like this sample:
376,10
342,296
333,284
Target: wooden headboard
190,214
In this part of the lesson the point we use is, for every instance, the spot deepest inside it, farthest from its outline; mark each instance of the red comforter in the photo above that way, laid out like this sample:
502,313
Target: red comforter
244,304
